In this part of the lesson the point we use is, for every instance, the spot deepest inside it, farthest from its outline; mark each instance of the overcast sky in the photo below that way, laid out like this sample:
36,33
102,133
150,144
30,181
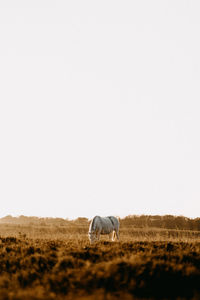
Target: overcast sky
99,108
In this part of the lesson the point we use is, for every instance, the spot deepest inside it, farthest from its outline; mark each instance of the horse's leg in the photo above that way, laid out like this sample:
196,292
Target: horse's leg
98,235
110,236
117,234
113,235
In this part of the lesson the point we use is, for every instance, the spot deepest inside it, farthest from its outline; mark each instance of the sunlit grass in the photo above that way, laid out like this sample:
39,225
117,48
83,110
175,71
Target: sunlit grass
52,262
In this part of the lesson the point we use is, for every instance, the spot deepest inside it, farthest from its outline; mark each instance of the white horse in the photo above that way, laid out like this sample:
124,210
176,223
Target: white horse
107,225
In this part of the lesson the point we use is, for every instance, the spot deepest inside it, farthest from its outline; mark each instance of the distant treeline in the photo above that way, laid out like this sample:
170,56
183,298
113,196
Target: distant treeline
24,220
167,222
142,221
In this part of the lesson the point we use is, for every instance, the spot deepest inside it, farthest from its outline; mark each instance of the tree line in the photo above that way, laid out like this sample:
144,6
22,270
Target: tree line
166,221
135,221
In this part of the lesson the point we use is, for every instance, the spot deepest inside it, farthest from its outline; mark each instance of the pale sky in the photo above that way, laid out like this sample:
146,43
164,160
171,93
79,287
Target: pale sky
99,108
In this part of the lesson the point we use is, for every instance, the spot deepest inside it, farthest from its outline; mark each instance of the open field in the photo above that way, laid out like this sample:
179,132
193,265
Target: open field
58,262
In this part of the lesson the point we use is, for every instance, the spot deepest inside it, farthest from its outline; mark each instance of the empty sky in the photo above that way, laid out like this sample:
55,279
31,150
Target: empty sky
99,108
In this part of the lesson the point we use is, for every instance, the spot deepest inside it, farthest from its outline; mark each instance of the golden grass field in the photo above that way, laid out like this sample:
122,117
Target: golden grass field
58,262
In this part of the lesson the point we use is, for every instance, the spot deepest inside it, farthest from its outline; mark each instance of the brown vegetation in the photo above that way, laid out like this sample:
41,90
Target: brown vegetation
56,261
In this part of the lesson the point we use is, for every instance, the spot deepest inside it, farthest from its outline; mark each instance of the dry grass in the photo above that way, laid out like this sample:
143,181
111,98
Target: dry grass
58,262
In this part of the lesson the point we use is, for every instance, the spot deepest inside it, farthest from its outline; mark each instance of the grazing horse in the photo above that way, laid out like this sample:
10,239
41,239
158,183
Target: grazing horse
107,225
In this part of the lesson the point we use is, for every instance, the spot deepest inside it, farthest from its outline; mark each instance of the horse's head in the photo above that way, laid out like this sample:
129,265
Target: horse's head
92,236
